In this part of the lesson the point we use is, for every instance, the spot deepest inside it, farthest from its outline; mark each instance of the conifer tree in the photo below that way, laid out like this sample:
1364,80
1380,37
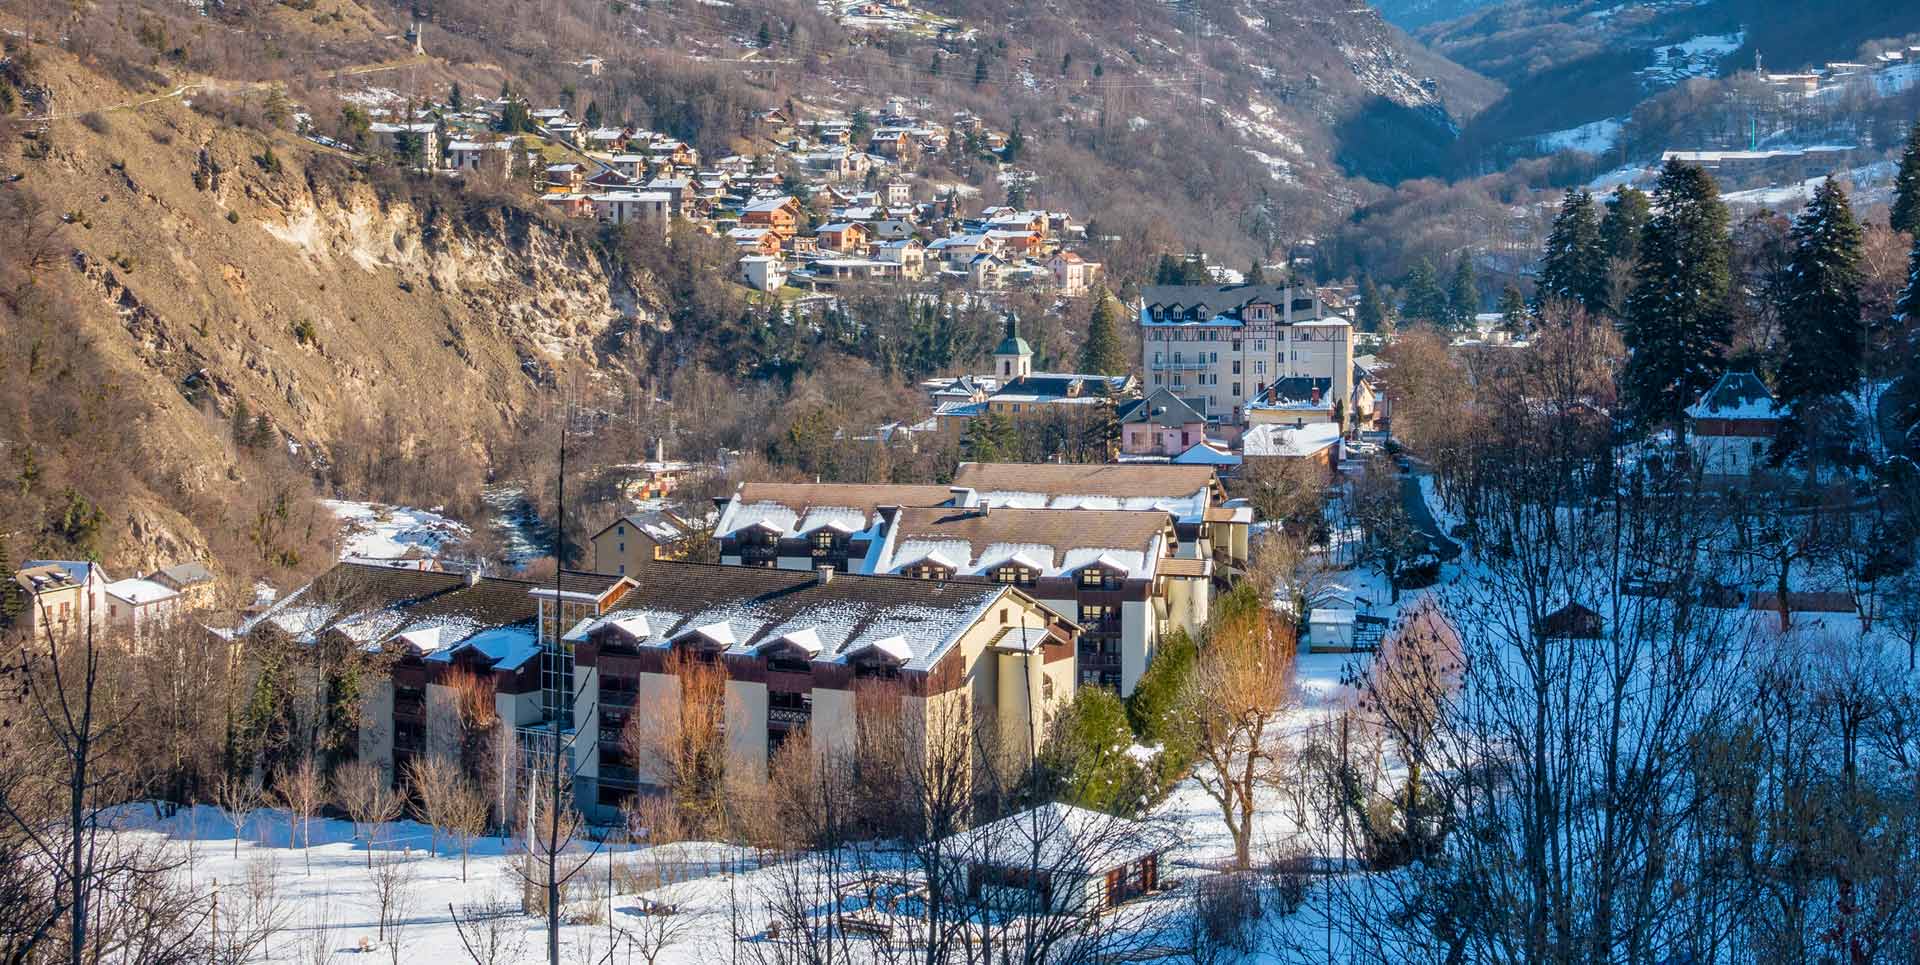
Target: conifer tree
593,114
1016,142
1574,268
765,37
1101,355
1907,308
1424,299
242,423
1826,342
1372,311
1513,309
456,98
1463,294
1627,214
1905,215
1678,317
980,69
1256,273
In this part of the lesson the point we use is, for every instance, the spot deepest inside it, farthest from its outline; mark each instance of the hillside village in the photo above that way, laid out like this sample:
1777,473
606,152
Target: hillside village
835,201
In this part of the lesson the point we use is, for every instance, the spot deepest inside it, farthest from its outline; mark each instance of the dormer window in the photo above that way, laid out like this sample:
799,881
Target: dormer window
1096,578
1015,575
928,571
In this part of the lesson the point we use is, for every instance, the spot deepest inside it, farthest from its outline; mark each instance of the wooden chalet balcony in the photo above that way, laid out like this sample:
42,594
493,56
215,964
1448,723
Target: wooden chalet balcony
789,715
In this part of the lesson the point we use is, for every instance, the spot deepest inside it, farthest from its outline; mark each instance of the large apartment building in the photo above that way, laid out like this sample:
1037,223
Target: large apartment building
798,649
1114,572
805,652
1224,343
803,526
1207,528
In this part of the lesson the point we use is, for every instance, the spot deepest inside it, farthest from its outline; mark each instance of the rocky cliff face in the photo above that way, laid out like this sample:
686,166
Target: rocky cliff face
233,267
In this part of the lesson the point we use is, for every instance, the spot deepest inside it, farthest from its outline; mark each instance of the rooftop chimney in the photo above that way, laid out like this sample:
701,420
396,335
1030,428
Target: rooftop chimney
822,575
963,496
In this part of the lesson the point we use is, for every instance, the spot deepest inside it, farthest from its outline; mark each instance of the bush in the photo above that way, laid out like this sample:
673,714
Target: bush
1086,759
233,217
1158,691
305,333
96,122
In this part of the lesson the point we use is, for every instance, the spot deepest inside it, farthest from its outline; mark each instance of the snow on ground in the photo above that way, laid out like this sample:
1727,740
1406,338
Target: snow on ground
379,532
1595,138
329,896
1865,184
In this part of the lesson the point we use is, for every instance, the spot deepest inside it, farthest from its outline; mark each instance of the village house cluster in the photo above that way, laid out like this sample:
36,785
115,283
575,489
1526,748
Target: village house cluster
831,202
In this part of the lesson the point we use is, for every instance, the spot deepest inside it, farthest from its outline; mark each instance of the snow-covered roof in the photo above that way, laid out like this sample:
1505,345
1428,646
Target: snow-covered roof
138,591
1062,839
1051,542
1738,395
912,622
1271,439
507,648
798,509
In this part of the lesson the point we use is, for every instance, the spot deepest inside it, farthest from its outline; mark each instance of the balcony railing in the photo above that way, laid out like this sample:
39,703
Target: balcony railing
788,715
1183,365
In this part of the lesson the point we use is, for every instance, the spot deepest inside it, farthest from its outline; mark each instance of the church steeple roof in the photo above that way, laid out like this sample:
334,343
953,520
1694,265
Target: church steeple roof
1013,344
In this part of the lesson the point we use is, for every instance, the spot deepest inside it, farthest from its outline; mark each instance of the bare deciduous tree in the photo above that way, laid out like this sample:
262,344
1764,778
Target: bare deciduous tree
363,790
299,789
237,798
1243,680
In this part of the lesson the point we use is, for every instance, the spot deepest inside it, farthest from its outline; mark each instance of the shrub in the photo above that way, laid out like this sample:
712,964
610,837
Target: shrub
305,333
1087,756
1159,688
96,122
233,217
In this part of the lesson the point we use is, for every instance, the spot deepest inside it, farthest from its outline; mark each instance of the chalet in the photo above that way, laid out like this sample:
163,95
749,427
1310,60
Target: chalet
1015,243
1732,427
1574,622
1224,343
834,272
636,537
803,526
1114,572
678,190
1055,860
1192,495
567,178
806,656
764,242
569,204
1162,424
631,167
847,236
892,229
778,215
899,193
892,143
908,253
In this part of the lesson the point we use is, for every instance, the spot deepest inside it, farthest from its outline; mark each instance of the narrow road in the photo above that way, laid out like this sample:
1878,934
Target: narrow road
1422,517
242,86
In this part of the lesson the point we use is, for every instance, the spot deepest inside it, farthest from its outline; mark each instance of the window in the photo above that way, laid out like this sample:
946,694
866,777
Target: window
1213,357
1259,368
620,530
1236,345
623,547
623,569
927,571
1236,388
1260,345
1159,379
1156,358
1013,575
1095,578
1236,366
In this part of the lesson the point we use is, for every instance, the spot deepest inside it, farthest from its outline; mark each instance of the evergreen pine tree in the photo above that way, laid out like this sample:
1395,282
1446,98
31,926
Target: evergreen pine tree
1423,297
1907,308
1256,273
1825,345
1016,142
980,69
262,435
1513,310
1574,268
1905,215
933,69
593,114
456,99
13,601
242,423
1101,355
1678,317
1627,214
1463,294
989,437
1372,311
765,37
